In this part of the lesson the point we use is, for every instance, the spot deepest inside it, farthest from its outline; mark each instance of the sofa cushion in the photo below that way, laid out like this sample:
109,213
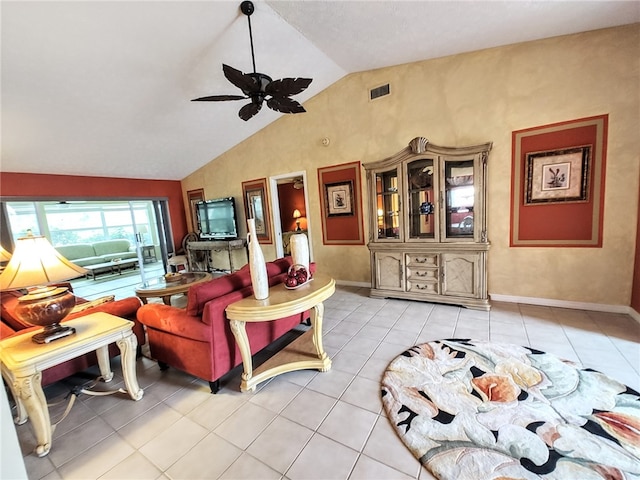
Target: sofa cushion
201,293
109,247
76,251
8,303
278,266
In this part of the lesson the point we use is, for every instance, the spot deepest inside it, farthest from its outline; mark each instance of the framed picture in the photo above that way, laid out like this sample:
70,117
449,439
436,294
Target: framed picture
339,198
558,175
256,206
340,192
557,184
193,197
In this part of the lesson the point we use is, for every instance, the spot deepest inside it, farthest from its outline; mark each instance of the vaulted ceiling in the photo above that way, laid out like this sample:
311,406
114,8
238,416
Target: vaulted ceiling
104,87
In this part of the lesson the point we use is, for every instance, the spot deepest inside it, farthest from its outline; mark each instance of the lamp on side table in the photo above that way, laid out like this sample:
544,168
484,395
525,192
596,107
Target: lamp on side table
36,262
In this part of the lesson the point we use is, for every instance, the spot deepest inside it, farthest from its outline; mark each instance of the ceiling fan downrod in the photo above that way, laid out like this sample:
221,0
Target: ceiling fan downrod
247,8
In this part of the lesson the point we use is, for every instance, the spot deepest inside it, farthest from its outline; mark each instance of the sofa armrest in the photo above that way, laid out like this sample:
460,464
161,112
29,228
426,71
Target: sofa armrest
175,321
125,308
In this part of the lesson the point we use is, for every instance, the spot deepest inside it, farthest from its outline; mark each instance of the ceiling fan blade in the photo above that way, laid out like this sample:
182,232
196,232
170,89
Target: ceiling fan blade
218,98
249,110
287,86
285,105
244,82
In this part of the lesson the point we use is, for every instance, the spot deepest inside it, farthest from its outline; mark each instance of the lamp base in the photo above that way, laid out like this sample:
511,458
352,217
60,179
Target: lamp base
53,332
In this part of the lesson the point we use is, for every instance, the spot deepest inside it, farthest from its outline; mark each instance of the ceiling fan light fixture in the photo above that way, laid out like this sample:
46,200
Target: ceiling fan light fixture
259,87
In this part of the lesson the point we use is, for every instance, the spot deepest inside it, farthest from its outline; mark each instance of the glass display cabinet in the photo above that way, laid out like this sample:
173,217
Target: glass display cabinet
428,231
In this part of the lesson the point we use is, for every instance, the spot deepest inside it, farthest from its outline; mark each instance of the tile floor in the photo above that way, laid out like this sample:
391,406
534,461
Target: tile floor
301,425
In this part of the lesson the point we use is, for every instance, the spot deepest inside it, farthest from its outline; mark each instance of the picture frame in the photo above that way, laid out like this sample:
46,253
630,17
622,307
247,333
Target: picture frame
558,175
256,206
339,199
193,197
340,195
569,213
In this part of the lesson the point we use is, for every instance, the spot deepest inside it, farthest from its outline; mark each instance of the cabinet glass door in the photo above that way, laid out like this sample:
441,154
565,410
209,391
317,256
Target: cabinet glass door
388,205
459,198
421,199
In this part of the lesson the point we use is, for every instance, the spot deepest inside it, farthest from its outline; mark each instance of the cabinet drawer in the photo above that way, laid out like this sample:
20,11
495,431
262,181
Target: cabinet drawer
422,274
421,260
422,286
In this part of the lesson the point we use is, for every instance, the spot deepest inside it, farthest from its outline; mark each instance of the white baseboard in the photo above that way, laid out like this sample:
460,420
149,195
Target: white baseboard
348,283
548,302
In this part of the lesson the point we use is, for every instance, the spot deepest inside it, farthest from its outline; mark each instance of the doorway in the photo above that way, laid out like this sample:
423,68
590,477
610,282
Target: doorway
290,207
67,222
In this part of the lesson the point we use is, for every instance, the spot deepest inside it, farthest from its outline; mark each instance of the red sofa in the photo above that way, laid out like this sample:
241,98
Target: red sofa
12,325
198,338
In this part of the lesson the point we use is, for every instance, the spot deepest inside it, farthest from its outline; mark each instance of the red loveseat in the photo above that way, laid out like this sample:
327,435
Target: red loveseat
12,325
198,338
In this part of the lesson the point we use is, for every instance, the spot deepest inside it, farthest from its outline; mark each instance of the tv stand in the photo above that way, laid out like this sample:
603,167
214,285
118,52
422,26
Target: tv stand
217,255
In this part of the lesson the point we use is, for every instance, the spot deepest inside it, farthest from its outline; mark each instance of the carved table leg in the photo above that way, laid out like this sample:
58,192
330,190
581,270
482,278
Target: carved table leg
21,414
317,314
30,392
240,333
127,346
104,363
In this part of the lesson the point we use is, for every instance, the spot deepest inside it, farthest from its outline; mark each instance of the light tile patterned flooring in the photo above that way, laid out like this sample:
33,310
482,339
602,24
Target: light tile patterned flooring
302,425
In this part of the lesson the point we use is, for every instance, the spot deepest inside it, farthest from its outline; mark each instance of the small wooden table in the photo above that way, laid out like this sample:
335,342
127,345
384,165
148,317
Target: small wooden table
24,360
160,287
303,353
112,266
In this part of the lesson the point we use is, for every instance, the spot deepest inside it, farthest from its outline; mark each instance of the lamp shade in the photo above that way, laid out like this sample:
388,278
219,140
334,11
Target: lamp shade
36,262
296,213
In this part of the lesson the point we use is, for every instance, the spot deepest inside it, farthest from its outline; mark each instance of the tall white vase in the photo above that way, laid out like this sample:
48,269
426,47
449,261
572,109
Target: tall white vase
300,249
257,265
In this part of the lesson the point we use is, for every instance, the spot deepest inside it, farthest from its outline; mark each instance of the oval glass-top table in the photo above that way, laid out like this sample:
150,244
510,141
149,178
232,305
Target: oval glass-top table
165,288
303,353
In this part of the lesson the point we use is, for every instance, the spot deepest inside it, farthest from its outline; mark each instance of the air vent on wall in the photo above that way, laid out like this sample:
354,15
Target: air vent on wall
378,92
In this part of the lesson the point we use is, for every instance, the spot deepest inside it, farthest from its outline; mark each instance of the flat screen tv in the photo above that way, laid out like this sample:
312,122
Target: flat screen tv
217,219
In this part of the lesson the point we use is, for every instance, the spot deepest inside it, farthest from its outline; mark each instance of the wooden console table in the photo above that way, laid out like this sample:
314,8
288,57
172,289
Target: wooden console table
24,360
204,256
303,353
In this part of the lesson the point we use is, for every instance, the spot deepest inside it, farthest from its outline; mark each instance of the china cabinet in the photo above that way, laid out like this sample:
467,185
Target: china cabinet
428,227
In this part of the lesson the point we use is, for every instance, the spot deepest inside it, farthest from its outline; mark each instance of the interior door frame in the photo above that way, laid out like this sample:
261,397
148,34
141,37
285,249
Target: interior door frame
275,210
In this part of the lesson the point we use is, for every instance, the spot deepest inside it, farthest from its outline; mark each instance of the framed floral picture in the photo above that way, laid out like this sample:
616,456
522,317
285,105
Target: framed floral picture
558,175
256,206
339,198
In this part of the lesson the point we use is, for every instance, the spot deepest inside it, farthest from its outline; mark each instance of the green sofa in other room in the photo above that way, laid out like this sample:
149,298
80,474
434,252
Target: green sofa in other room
84,254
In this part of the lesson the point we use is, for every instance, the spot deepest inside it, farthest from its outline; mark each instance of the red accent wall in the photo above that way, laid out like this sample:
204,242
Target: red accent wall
290,199
41,187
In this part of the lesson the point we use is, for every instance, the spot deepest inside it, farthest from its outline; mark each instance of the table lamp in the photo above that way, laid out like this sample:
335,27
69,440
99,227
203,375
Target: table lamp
297,215
35,262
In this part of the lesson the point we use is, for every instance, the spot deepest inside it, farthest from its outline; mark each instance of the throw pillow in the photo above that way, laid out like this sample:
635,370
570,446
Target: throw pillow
99,301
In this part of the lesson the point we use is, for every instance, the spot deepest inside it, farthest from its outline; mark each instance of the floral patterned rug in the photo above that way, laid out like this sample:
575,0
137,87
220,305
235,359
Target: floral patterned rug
480,410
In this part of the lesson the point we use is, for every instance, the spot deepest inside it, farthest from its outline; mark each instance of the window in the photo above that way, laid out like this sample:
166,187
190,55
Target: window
65,223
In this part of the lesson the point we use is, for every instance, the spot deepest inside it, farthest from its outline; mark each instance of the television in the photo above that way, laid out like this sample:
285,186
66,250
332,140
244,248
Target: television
217,219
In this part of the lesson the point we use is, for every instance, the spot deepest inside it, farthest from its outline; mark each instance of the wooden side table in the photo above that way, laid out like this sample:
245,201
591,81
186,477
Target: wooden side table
163,288
24,360
303,353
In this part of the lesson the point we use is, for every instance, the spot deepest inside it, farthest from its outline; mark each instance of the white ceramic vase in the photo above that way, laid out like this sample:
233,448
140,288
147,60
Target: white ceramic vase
300,249
257,265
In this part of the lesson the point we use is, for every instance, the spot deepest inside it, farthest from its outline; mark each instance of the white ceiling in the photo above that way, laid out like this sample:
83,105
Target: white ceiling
104,87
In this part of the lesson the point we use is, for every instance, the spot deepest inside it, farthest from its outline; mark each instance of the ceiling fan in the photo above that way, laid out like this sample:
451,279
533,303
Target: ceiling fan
260,87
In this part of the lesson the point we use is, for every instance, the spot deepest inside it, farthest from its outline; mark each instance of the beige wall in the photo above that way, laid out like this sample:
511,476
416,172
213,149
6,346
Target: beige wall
463,100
